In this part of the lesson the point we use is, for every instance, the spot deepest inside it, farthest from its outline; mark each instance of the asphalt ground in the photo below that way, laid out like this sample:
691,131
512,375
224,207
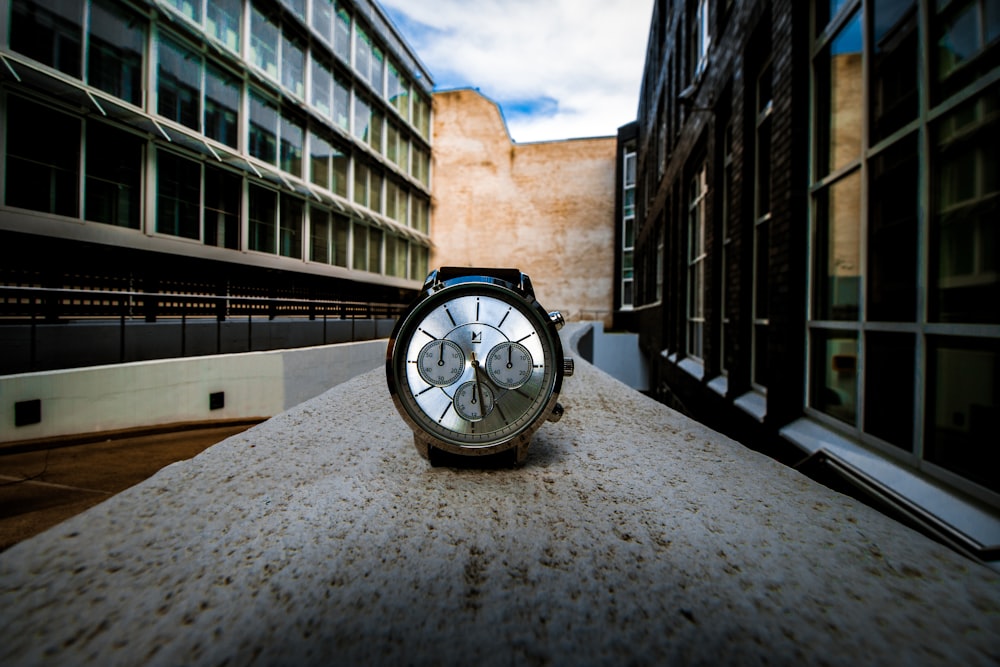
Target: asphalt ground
45,486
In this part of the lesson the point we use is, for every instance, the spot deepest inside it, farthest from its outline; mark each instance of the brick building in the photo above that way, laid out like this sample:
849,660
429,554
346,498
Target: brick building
815,251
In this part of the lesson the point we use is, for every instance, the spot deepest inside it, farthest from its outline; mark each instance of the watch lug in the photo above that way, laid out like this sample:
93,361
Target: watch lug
522,453
526,286
422,448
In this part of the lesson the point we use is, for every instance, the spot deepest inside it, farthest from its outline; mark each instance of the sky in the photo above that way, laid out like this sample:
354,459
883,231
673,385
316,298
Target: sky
559,69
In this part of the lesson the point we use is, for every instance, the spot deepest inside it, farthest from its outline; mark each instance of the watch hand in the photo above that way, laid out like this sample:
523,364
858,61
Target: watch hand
477,389
510,351
441,357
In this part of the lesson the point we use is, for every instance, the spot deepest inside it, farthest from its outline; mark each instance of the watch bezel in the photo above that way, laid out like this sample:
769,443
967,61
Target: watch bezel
438,291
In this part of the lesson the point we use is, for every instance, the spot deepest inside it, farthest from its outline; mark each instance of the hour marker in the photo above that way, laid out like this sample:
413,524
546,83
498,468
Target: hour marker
477,309
446,409
424,391
432,336
449,316
504,319
526,337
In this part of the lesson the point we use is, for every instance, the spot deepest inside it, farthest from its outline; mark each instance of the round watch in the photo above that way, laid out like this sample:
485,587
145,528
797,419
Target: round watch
475,364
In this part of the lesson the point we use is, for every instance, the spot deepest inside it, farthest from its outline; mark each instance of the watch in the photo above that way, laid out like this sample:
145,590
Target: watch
475,364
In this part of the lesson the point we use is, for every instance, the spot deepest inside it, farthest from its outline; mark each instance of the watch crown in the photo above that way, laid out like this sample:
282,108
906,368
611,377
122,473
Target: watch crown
557,319
568,366
557,413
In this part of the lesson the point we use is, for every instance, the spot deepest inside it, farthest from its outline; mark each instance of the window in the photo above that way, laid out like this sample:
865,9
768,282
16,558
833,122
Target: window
293,65
696,261
360,243
113,187
368,59
362,120
263,132
297,7
628,228
223,196
189,8
341,232
223,19
764,104
48,31
341,103
894,92
422,116
699,40
290,227
418,262
178,196
43,168
342,34
398,91
322,87
319,235
395,201
322,19
728,193
115,47
179,84
421,166
375,237
291,146
421,215
361,183
319,160
966,36
263,213
222,103
264,38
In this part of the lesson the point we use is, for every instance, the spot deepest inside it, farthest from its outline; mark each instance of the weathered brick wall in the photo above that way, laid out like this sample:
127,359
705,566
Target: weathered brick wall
546,208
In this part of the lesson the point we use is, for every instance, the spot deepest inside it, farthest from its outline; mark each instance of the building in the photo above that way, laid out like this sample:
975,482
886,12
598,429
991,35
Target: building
543,207
228,147
816,255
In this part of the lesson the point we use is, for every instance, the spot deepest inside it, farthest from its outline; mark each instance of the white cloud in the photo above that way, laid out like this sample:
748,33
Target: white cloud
585,55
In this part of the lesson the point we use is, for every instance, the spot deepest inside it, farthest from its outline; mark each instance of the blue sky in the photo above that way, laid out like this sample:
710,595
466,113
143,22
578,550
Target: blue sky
559,69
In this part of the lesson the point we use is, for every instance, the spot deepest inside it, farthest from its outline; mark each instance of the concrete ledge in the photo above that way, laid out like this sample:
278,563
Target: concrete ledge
126,396
632,535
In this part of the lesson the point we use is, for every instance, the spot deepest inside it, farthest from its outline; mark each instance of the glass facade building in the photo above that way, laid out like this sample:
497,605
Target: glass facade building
816,254
293,134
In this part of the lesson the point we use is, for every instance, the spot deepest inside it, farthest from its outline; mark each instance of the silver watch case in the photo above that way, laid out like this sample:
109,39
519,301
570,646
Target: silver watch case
437,291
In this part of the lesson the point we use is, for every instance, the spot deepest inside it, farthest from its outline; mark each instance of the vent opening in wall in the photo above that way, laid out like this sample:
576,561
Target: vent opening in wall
217,400
27,412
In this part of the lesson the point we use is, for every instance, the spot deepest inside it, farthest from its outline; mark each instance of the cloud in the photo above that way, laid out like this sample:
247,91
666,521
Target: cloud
558,68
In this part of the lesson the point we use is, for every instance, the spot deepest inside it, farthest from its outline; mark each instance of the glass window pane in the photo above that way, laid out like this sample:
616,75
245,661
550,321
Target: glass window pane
362,119
362,52
840,88
341,103
342,34
965,273
376,77
113,190
375,134
179,84
375,250
189,8
894,77
264,36
375,181
178,196
322,19
761,356
391,251
293,65
340,161
298,7
890,360
319,161
222,103
322,83
116,44
361,184
319,234
43,168
837,249
963,408
263,213
340,233
291,146
223,19
48,31
360,262
263,134
892,233
292,209
834,385
223,195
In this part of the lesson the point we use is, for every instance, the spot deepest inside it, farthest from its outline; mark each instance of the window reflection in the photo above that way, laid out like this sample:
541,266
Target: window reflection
222,101
48,31
43,168
889,360
840,92
113,188
179,84
838,255
963,416
178,193
223,192
894,77
965,277
115,47
834,374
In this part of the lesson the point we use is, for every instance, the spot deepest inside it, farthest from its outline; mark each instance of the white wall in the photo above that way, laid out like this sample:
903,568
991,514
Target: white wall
121,396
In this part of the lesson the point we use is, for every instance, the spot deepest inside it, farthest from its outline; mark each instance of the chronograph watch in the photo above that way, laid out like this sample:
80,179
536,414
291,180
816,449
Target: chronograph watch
475,365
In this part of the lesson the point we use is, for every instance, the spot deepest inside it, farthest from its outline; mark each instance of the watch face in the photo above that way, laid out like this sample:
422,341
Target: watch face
473,364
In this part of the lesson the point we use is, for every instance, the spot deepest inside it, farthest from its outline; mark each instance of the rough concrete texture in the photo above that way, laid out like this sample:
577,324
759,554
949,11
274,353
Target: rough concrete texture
631,536
546,208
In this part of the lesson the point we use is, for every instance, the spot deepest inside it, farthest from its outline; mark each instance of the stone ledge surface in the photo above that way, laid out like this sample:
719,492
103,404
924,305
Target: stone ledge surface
632,535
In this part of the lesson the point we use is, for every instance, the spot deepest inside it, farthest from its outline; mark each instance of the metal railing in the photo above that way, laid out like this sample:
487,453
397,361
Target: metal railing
44,305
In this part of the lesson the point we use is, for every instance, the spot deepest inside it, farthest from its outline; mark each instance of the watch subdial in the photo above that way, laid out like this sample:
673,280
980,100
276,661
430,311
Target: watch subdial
441,363
473,401
509,365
